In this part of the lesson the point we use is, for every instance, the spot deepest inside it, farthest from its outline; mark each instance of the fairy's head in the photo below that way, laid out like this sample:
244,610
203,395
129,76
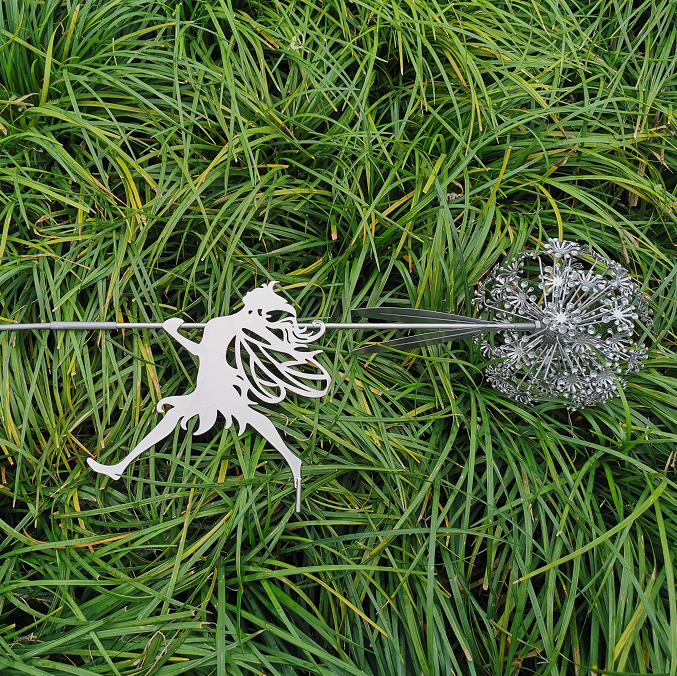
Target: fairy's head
264,300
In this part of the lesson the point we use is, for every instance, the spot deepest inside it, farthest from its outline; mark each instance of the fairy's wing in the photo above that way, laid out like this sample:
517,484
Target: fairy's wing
274,360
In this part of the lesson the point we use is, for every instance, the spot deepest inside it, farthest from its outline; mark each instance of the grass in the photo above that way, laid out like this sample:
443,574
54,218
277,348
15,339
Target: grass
160,159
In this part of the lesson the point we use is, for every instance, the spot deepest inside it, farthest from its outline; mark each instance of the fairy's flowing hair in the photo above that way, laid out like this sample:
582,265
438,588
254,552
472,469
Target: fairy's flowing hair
262,341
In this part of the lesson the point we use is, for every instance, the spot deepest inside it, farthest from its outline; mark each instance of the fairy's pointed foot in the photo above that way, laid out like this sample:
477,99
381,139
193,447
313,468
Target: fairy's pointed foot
108,470
297,483
295,464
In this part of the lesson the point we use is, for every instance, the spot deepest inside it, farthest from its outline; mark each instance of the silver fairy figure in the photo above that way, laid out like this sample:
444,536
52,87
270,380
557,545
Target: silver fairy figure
240,356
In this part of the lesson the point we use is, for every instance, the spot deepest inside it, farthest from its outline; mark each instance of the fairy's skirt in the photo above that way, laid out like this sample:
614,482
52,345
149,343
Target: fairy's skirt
207,402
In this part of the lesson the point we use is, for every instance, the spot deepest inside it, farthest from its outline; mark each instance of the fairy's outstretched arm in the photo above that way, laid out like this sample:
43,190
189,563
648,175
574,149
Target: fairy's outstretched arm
171,326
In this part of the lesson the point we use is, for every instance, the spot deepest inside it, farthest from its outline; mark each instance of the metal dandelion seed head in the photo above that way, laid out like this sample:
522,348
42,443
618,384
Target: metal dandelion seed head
590,313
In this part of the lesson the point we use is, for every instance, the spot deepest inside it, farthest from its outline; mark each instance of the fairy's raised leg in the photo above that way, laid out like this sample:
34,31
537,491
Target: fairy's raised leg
269,432
162,430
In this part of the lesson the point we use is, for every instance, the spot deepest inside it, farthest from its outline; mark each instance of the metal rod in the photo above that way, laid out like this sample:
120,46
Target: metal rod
113,326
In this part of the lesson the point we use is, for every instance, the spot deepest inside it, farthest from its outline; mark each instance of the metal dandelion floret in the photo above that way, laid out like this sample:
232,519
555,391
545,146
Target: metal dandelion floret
589,314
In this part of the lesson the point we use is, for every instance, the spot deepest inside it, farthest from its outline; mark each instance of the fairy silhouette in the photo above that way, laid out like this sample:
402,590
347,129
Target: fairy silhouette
256,341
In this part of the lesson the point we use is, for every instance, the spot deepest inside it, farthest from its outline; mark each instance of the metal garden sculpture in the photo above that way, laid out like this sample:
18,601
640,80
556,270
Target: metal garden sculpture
583,315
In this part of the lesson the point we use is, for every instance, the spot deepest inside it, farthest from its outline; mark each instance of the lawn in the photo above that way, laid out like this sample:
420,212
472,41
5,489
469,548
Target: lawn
162,159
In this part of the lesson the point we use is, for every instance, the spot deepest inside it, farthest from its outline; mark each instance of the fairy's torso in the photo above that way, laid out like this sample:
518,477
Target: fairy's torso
216,377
